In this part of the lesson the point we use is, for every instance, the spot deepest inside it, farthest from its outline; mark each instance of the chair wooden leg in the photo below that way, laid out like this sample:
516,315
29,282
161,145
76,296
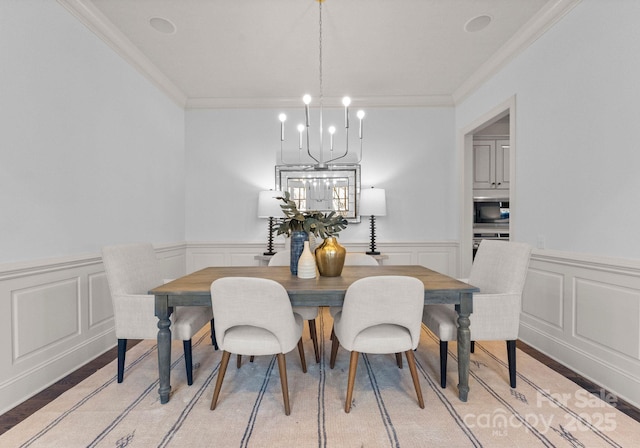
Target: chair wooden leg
399,360
411,361
239,360
282,366
511,357
214,341
221,371
303,360
353,366
188,360
314,338
472,347
334,350
444,346
122,351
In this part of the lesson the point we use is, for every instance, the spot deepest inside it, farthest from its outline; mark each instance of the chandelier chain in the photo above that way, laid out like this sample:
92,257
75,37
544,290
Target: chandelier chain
320,51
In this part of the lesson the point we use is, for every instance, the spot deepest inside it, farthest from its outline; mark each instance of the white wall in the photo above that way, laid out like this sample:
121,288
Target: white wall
577,97
90,152
576,101
231,156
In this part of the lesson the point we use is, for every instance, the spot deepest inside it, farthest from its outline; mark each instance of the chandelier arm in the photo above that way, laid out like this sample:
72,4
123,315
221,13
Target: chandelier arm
346,151
309,149
346,144
337,158
319,162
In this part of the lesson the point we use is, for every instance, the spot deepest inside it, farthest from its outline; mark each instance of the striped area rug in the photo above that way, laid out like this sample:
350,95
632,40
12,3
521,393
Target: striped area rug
544,410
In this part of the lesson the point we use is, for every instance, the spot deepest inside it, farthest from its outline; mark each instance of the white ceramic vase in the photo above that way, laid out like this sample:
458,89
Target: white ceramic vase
307,263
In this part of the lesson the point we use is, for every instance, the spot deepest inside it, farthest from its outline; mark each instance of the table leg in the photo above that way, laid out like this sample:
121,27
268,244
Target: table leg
164,347
464,344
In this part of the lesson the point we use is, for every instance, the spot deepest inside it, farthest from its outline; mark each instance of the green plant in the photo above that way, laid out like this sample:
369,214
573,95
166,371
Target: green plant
315,222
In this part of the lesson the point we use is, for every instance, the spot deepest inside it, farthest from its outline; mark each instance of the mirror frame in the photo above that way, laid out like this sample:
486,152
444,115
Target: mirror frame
349,171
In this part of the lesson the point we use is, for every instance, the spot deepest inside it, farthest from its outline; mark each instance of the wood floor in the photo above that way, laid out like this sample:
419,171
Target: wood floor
22,411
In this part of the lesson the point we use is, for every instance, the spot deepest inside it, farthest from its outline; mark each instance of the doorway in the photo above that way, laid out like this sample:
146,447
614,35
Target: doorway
498,122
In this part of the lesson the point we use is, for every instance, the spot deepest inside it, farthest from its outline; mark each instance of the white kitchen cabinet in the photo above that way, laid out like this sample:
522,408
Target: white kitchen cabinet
491,164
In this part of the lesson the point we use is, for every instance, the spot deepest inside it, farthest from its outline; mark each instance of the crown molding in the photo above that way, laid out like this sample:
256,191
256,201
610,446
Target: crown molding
272,103
96,22
548,16
100,25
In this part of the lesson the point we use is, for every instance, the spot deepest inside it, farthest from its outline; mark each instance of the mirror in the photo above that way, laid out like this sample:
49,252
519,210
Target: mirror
335,189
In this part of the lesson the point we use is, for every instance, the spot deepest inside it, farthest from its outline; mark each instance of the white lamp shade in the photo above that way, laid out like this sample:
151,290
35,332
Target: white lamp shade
373,202
268,205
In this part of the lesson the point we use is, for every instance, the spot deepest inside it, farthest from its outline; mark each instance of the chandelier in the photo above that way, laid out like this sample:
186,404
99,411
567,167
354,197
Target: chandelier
303,129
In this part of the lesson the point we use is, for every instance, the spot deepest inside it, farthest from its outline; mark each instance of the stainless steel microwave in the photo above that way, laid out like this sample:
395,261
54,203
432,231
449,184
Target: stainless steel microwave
490,211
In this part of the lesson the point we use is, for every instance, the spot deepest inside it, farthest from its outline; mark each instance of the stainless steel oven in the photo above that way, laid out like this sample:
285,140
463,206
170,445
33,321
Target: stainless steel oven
490,220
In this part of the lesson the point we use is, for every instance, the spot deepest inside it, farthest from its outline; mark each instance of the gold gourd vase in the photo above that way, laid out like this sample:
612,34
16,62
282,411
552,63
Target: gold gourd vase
330,257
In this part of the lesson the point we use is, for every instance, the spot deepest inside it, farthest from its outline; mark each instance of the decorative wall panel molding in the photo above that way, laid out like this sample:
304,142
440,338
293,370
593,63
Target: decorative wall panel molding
55,316
439,256
621,306
547,288
100,310
581,310
44,315
584,311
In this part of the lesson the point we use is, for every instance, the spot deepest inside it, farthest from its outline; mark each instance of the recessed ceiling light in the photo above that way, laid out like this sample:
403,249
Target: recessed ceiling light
162,25
477,24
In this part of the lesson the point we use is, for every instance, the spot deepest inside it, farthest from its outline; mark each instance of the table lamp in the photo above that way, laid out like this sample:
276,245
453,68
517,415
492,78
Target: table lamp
373,203
268,207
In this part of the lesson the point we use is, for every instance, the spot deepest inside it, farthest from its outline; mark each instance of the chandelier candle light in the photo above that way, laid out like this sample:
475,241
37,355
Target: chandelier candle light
303,129
268,207
373,202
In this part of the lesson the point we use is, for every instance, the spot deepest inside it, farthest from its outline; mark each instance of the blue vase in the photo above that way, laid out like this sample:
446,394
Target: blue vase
297,246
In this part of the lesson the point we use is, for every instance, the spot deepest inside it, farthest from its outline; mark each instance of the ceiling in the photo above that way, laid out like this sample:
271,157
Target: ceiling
265,53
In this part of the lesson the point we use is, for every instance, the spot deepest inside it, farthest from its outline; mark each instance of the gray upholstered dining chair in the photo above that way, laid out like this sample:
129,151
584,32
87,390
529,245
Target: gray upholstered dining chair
355,259
380,314
499,270
132,270
308,313
254,317
359,259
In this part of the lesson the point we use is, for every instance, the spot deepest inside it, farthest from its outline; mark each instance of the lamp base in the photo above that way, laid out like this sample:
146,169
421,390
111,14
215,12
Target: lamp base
270,240
372,246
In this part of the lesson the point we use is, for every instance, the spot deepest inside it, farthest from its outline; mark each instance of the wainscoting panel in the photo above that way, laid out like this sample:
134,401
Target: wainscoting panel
546,291
202,254
596,331
398,258
621,305
582,311
174,259
100,310
439,256
44,315
55,316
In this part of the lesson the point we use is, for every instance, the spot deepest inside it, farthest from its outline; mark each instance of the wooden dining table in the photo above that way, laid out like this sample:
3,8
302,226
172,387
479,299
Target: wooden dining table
195,290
